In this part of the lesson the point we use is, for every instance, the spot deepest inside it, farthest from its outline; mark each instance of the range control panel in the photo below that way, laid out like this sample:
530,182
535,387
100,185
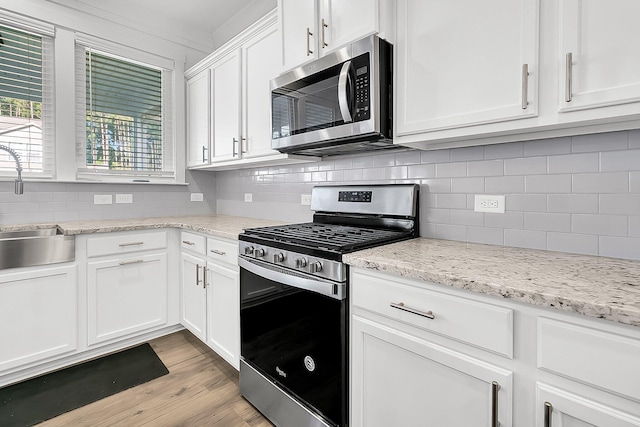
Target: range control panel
355,196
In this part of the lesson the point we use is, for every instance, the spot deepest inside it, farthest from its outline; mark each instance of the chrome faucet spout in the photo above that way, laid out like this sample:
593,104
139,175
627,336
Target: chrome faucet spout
19,186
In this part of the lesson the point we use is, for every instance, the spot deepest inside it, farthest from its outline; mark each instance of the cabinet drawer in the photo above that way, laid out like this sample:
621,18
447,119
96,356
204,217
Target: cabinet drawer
193,242
595,357
125,243
222,250
483,325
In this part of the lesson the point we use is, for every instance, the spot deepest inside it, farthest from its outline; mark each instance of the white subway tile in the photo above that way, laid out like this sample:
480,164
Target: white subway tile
362,162
467,185
504,184
572,203
373,174
545,147
526,202
467,153
574,163
489,236
346,163
627,160
428,200
453,201
547,184
318,176
620,204
353,175
485,168
573,243
620,247
437,216
600,142
634,182
525,166
608,225
466,217
505,220
611,182
435,156
395,172
634,226
421,171
504,151
335,176
634,138
451,232
384,160
525,239
411,157
427,230
451,170
438,185
547,221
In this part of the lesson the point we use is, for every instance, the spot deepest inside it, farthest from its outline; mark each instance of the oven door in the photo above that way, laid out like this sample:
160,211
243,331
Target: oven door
295,337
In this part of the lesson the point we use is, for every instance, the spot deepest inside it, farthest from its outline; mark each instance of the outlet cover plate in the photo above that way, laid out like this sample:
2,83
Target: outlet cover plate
197,197
102,199
248,197
124,198
305,199
489,203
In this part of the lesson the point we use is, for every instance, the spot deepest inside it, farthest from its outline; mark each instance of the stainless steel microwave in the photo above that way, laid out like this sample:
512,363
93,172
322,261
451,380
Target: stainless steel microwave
337,104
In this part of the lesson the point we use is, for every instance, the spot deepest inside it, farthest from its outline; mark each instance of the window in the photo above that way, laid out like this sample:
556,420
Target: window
124,120
26,101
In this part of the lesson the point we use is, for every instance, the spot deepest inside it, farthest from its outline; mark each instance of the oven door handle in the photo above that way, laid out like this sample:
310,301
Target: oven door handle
280,275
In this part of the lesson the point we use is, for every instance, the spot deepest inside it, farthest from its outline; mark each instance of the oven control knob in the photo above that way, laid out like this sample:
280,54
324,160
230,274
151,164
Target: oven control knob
259,252
279,257
315,267
248,250
301,262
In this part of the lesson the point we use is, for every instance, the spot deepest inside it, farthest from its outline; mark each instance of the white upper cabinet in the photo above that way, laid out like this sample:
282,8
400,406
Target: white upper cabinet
198,119
311,28
600,53
461,65
226,107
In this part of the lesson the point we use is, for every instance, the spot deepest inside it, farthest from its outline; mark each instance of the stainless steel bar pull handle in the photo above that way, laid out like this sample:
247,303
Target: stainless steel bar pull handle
217,252
400,306
548,409
122,245
494,404
309,34
569,77
198,274
204,157
186,242
204,276
324,25
135,261
525,86
235,152
244,145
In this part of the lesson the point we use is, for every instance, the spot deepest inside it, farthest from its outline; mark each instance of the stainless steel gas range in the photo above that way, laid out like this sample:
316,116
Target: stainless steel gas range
294,306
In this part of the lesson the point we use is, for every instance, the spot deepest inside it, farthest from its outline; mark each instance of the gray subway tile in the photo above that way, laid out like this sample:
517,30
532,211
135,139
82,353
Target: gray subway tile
451,232
467,185
620,247
467,153
547,221
610,182
435,156
600,142
466,217
574,163
453,201
608,225
485,168
573,243
525,239
525,166
489,236
451,170
505,220
572,203
526,202
627,160
504,151
620,204
548,184
545,147
437,185
421,171
504,184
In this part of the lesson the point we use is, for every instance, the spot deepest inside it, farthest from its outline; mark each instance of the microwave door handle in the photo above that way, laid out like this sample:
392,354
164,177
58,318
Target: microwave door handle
342,92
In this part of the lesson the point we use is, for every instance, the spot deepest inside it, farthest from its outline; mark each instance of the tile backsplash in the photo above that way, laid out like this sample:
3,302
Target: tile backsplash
576,194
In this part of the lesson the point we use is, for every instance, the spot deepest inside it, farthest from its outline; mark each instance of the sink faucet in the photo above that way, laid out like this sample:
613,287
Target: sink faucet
19,184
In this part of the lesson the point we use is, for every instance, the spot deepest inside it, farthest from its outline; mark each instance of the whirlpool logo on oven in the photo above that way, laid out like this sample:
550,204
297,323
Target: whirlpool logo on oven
280,372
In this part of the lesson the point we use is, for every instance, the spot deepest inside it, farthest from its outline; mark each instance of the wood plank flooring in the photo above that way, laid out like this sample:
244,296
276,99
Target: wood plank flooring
201,389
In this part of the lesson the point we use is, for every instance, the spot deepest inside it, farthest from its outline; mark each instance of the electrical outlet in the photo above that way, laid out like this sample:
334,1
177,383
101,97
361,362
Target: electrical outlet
488,203
197,197
124,198
102,199
248,197
305,199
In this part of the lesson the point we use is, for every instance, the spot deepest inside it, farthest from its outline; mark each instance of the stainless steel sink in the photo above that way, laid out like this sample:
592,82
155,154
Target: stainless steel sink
38,246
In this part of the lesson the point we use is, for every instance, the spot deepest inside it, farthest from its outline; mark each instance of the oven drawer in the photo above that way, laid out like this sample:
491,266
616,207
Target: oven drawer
193,242
482,325
222,250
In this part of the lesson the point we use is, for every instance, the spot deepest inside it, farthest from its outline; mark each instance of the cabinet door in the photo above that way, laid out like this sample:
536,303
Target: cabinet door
226,106
461,64
126,295
603,39
260,63
223,312
38,315
399,380
557,407
298,32
198,118
194,295
346,21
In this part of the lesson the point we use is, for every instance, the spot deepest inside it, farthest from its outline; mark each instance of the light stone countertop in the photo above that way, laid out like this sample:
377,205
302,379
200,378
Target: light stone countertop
607,288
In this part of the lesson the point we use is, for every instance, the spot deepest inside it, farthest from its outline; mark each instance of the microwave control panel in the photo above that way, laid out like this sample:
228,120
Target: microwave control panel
362,88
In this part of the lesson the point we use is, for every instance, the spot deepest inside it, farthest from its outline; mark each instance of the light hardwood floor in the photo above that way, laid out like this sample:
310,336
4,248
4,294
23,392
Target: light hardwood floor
201,389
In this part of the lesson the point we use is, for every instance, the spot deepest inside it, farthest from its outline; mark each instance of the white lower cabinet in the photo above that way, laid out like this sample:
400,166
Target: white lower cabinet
401,380
223,309
126,295
194,301
38,315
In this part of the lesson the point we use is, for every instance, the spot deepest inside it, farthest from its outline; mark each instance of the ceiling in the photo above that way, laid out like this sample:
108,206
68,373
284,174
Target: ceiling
181,20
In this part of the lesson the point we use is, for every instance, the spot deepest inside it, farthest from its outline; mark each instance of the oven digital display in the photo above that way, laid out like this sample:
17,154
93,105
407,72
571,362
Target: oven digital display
355,196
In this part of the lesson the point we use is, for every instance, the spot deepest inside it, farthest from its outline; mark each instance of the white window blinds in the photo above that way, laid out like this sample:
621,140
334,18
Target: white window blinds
125,128
26,101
